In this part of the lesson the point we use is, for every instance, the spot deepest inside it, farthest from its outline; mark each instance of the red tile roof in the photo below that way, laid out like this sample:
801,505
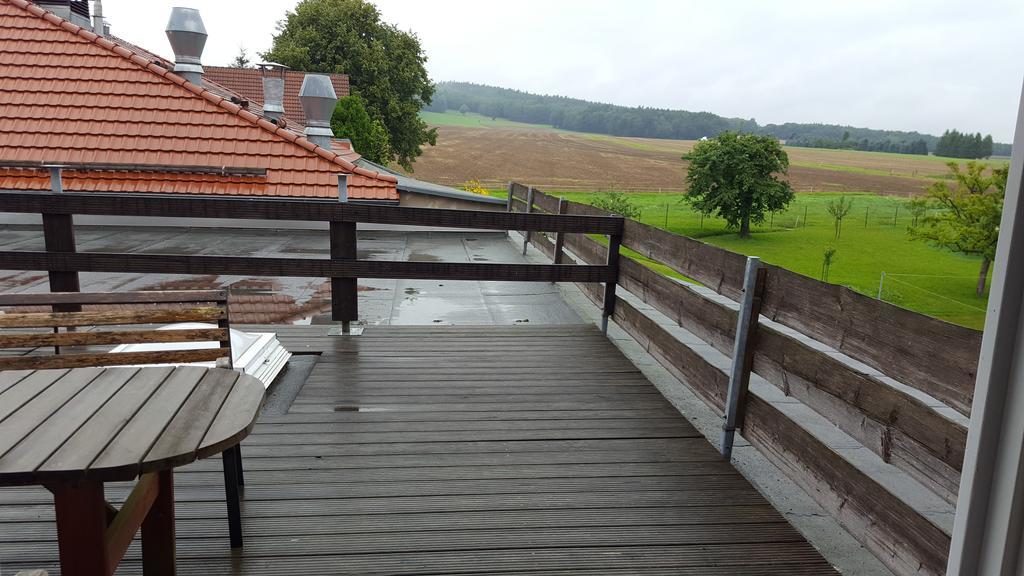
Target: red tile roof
70,96
248,83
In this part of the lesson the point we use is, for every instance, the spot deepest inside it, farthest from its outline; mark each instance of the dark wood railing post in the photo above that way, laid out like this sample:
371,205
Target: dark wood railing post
59,236
529,209
743,352
344,291
563,207
614,243
511,188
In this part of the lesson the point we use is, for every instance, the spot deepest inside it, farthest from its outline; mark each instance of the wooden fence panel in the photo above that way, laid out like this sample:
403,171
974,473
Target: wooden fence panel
904,540
898,427
933,356
907,542
893,424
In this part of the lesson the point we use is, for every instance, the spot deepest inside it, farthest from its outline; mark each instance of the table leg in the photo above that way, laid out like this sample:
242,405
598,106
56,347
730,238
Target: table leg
158,557
81,525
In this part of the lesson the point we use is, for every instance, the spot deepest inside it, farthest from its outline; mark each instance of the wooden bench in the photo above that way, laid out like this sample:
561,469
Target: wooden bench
68,336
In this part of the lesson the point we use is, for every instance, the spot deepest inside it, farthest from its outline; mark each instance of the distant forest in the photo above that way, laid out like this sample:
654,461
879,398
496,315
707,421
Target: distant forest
583,116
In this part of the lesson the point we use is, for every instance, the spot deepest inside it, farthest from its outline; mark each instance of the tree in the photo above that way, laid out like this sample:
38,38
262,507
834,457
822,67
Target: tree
463,109
736,176
385,65
839,208
617,203
965,218
828,257
241,59
368,135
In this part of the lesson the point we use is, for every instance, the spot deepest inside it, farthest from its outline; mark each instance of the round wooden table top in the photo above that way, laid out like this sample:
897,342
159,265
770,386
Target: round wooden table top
106,424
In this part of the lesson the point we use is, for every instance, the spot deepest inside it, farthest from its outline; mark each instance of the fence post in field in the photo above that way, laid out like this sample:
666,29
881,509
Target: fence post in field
59,236
529,209
881,284
560,236
742,352
344,291
614,243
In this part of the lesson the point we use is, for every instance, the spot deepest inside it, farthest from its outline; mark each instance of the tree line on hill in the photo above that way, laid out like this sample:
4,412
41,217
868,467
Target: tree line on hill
919,146
955,144
584,116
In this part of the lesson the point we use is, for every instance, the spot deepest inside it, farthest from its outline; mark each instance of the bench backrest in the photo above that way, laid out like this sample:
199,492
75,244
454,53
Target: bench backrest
109,311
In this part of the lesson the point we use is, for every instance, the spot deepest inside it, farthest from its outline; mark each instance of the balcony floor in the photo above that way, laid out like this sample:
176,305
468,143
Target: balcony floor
462,450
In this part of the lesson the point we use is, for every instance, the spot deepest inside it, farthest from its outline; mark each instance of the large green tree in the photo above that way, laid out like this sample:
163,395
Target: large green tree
385,65
965,217
369,136
736,176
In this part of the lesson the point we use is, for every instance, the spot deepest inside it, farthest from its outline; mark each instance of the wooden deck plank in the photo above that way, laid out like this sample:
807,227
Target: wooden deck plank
538,448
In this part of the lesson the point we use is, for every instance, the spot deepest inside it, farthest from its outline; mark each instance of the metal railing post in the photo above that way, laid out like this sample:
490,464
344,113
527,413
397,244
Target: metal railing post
529,209
742,352
614,242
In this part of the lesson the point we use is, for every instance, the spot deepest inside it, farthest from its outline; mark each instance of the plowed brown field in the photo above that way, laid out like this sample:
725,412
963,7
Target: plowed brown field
571,161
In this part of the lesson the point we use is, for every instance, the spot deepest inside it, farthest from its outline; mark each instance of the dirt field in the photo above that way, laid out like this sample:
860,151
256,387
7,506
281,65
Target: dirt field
569,161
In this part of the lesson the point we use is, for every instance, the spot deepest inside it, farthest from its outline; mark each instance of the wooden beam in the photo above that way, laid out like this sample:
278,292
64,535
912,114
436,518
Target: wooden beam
609,286
344,290
158,539
59,236
121,531
109,318
81,524
99,338
110,359
559,255
303,210
137,297
904,540
300,267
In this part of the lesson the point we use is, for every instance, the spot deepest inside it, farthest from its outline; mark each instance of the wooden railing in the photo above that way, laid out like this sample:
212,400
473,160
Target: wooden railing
63,262
930,355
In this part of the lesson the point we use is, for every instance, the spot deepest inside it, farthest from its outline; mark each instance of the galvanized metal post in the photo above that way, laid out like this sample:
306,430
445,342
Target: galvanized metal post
989,524
742,352
529,209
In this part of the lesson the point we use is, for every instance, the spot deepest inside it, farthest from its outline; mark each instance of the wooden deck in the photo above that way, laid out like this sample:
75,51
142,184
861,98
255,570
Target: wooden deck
463,450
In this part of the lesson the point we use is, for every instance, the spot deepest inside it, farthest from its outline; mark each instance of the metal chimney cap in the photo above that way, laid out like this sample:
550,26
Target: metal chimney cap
187,35
318,98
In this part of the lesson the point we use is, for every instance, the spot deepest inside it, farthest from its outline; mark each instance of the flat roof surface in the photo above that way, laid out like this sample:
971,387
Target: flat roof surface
287,300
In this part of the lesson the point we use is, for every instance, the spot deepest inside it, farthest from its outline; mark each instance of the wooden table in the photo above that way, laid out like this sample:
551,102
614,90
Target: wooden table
72,430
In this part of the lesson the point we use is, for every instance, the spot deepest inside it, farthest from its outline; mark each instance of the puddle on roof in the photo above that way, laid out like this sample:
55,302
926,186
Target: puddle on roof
421,257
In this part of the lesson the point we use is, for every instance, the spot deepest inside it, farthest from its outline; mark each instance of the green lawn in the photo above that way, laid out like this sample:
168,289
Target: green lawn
929,280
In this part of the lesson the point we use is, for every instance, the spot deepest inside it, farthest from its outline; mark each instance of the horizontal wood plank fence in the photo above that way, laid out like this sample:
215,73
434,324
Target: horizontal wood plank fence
63,262
932,356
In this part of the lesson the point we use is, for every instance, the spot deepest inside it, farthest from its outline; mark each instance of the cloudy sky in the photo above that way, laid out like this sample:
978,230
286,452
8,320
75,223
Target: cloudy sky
923,65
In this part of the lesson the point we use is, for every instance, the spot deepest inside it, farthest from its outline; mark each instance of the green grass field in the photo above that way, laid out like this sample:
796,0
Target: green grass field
919,277
474,120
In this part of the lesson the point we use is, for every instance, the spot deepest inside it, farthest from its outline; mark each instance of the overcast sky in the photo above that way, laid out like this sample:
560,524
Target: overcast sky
923,65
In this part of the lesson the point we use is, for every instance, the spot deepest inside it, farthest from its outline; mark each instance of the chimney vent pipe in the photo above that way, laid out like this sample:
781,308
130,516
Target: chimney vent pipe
318,99
187,36
273,89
